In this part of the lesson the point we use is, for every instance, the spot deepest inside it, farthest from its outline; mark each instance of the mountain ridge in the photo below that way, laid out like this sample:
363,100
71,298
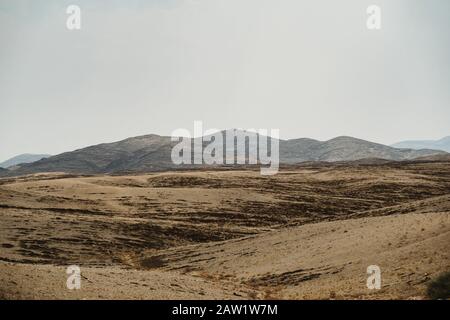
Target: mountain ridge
440,144
22,158
151,152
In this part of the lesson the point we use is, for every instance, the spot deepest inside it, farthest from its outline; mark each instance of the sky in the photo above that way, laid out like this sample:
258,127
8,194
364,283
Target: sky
308,68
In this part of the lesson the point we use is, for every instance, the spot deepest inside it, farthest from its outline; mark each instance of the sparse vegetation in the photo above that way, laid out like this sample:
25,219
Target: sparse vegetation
230,234
439,288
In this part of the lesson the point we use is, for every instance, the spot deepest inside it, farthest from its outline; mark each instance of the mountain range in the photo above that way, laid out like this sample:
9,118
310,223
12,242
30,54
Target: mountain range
23,158
153,153
441,144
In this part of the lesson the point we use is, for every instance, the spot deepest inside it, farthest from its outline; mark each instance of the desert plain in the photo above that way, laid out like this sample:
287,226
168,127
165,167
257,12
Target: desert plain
309,232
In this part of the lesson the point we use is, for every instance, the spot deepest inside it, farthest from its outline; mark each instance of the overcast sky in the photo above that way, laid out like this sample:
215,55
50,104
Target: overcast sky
310,68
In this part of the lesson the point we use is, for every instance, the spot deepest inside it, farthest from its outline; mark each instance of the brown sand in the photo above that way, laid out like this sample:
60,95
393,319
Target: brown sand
308,232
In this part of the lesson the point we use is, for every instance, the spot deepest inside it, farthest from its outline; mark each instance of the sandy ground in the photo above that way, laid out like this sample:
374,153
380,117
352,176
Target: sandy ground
306,233
327,259
27,281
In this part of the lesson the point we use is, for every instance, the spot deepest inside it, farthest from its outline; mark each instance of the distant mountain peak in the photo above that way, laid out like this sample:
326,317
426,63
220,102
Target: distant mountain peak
345,138
445,139
23,158
441,144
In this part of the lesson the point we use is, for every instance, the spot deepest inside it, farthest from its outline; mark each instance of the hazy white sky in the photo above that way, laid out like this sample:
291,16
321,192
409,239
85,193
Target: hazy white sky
310,68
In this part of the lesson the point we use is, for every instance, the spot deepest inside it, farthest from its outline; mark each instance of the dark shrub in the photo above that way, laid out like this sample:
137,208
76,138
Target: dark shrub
439,288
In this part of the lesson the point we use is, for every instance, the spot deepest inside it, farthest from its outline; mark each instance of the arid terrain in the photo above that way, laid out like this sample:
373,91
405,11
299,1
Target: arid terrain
309,232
